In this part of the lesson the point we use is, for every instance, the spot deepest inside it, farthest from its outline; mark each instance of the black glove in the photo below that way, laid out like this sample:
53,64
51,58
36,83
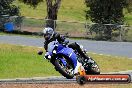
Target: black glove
40,52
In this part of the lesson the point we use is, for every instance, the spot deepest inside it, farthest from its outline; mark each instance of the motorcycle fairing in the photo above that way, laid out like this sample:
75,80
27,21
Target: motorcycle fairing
69,53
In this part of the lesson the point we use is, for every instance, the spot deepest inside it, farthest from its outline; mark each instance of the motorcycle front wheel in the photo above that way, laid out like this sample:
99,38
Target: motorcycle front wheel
65,69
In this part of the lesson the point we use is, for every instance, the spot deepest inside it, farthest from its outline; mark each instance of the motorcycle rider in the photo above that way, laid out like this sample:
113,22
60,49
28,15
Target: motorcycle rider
50,35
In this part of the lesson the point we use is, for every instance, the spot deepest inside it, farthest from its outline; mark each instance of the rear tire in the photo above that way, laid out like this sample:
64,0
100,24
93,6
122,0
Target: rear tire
91,68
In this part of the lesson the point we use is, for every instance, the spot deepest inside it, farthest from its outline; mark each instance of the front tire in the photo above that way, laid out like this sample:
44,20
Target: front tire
66,71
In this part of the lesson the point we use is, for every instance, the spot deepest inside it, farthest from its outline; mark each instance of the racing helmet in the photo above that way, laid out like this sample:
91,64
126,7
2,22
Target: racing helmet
48,33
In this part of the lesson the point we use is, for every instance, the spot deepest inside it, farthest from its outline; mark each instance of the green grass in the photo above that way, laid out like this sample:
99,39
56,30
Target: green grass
70,10
128,18
33,22
112,63
19,61
128,37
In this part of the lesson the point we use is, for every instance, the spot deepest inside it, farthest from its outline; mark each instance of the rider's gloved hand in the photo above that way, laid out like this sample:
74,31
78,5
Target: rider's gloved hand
40,52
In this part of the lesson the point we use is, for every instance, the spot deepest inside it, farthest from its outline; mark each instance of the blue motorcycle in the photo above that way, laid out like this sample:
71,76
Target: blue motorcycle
64,59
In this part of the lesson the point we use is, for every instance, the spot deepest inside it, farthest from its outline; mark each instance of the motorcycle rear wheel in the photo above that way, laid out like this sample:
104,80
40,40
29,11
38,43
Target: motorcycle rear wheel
92,68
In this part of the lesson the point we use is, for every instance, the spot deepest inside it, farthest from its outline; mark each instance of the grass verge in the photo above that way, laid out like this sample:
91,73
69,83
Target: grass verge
19,61
112,63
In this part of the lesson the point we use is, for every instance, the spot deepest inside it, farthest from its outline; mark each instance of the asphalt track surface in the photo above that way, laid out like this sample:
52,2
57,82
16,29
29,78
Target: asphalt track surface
53,79
123,49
